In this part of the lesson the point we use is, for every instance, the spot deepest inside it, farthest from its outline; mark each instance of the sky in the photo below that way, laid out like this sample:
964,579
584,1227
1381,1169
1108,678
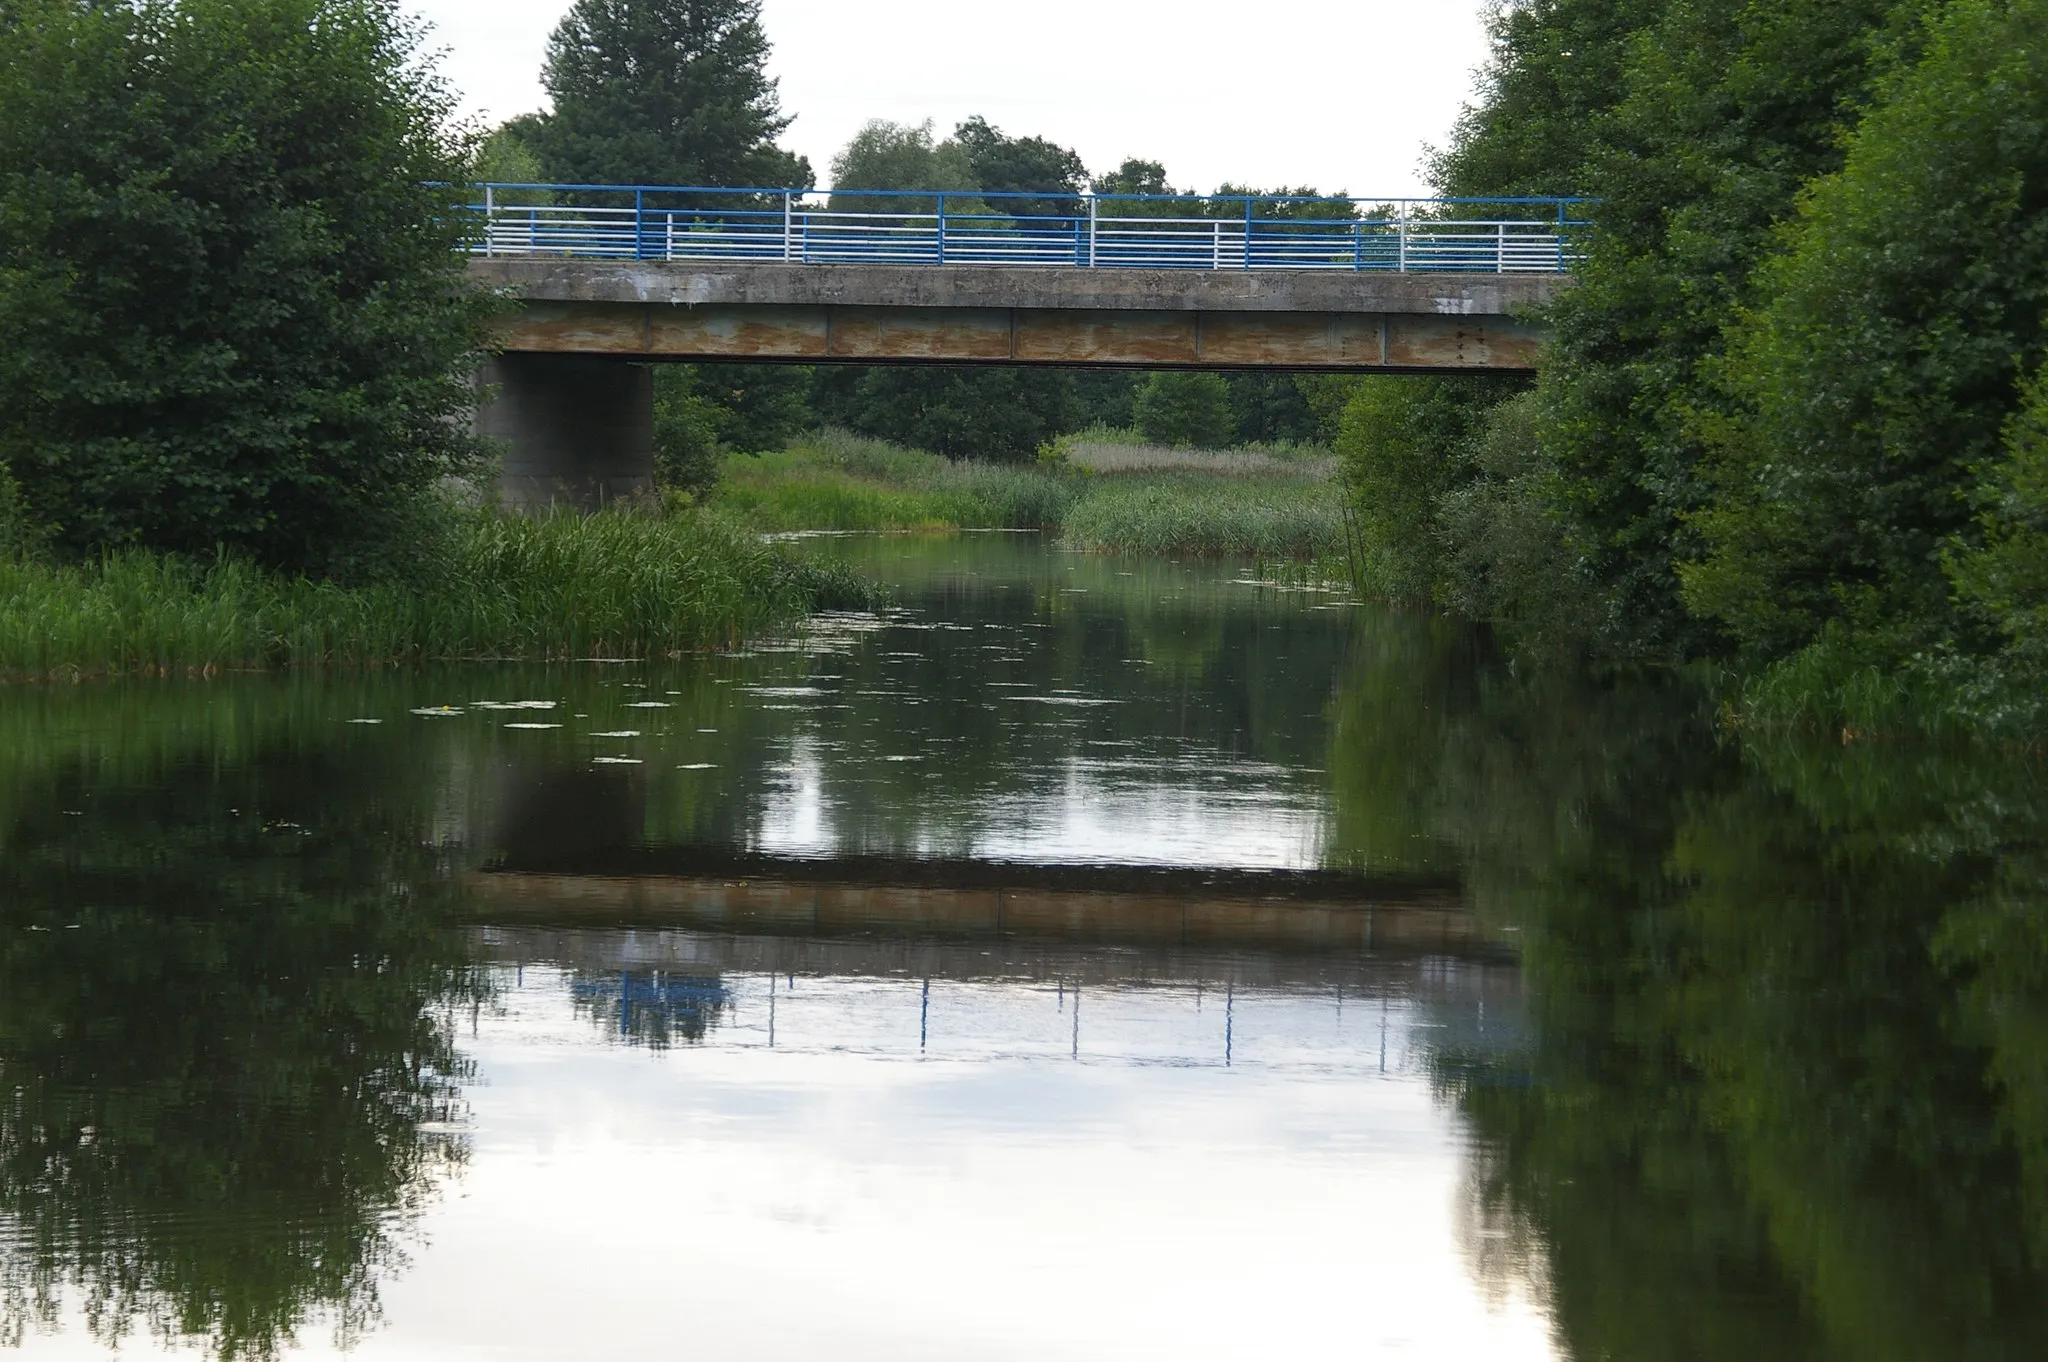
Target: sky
1337,94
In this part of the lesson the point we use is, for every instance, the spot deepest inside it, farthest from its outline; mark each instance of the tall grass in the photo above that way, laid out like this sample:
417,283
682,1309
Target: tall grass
831,480
1112,449
1187,515
1271,504
615,584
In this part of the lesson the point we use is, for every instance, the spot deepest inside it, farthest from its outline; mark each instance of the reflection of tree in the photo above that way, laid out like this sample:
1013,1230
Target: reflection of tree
1784,1093
223,1043
652,1007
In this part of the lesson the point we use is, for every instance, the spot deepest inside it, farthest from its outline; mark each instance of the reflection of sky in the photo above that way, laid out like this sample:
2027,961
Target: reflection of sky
991,1169
996,1199
1199,810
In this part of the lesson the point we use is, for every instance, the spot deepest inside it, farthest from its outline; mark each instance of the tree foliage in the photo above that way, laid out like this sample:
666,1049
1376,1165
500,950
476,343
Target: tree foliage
1052,175
1176,408
963,412
885,155
664,92
234,304
1876,383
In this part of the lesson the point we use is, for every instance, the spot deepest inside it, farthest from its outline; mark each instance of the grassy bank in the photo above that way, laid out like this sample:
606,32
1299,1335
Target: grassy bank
616,584
1102,491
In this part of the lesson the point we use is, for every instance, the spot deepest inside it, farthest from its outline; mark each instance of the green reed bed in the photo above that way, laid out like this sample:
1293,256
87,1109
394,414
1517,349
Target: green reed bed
831,480
1270,504
1193,515
615,584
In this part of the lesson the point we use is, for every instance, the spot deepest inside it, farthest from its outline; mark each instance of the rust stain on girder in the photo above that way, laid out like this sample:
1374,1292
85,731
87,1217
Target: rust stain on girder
816,333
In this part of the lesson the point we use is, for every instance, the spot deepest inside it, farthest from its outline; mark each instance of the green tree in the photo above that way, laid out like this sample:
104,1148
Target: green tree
1002,414
1270,408
1176,408
1404,445
664,92
703,412
1052,174
235,303
1726,112
507,155
1877,382
885,155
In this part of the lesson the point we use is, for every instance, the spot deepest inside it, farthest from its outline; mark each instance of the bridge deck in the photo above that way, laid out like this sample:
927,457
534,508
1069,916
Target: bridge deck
1151,318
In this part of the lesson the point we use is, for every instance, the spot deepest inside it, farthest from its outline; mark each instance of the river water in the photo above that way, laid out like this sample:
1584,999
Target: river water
1083,958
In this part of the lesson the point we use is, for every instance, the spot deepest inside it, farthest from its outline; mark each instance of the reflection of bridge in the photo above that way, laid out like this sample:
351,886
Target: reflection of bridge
976,906
604,275
663,944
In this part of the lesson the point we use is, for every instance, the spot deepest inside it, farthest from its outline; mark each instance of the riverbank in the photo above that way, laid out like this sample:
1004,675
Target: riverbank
1097,494
616,584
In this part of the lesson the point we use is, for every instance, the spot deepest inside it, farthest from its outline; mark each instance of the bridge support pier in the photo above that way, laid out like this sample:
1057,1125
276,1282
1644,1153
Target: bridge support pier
576,430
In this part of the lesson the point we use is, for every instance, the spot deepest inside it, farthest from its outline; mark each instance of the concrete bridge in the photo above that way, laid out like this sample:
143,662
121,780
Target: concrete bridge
595,294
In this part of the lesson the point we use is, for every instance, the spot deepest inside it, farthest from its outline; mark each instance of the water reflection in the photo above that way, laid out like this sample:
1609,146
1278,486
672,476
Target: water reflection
1213,973
230,1082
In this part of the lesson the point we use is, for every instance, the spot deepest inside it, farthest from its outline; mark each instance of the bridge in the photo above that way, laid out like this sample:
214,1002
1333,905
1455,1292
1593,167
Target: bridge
594,275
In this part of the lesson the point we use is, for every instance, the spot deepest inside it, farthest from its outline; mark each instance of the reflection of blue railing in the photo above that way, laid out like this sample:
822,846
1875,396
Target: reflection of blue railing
1149,231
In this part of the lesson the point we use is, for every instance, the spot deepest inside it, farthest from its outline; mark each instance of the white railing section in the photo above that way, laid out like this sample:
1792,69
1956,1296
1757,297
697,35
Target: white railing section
1130,232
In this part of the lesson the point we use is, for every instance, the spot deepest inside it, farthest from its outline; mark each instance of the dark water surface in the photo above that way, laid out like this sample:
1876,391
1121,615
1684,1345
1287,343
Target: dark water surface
1086,959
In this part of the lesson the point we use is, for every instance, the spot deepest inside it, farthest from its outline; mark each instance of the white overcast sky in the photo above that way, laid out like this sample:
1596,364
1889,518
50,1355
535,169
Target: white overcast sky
1340,94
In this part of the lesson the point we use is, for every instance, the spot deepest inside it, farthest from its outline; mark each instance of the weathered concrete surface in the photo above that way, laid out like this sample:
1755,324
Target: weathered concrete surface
576,429
1309,319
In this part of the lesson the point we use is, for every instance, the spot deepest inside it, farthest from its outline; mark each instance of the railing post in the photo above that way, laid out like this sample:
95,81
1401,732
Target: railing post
1401,259
639,224
1093,203
1358,244
668,250
1500,248
788,225
1216,245
942,229
1247,233
490,210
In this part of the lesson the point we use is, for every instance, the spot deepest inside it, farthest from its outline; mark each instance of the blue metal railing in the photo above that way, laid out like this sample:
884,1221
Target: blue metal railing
958,227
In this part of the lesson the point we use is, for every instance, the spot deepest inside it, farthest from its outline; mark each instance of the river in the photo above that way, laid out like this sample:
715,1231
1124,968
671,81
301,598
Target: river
1081,958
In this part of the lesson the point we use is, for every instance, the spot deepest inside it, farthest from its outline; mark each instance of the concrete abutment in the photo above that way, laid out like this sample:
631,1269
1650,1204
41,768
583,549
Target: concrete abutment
575,430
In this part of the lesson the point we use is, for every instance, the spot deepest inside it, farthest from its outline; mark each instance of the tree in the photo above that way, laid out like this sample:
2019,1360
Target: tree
703,412
664,92
1052,174
1726,112
1176,408
885,155
234,301
1001,414
1877,383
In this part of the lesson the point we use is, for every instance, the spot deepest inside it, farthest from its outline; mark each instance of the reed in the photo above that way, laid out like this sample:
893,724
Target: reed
831,480
616,584
1195,515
